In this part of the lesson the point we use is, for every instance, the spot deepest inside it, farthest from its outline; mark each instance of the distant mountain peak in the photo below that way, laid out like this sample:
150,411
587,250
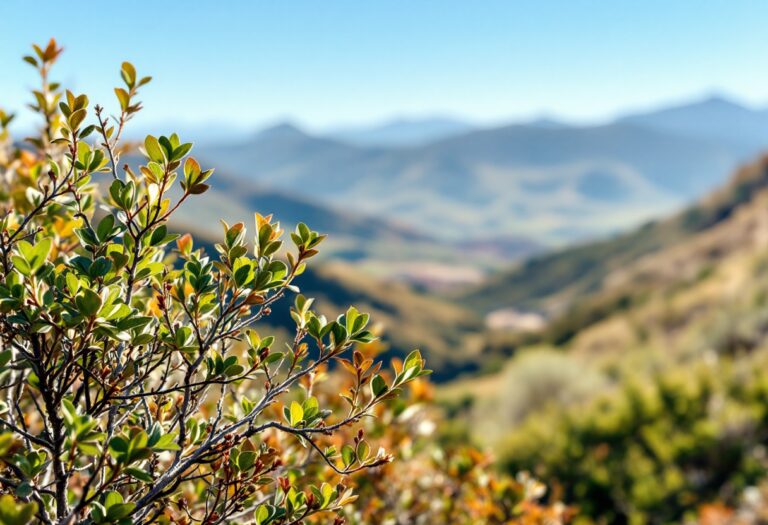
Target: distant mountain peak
719,100
282,130
435,120
547,122
716,117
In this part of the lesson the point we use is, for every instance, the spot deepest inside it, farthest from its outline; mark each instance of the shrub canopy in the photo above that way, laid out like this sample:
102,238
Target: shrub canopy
134,386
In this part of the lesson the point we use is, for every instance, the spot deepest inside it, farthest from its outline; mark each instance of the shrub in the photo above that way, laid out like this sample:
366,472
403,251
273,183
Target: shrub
539,378
653,452
135,388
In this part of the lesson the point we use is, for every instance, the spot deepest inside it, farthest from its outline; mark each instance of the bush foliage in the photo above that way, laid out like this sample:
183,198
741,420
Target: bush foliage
654,451
134,386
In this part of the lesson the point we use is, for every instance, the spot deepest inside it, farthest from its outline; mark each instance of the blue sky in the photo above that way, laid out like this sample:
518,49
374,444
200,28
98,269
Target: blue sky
324,63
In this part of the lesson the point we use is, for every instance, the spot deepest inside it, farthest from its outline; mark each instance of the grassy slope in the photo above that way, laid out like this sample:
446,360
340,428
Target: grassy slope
556,281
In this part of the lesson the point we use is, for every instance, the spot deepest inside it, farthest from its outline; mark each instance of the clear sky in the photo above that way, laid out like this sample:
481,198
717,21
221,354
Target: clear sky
329,62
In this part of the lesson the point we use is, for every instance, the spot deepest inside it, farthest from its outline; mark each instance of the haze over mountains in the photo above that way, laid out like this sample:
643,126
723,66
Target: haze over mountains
544,180
402,132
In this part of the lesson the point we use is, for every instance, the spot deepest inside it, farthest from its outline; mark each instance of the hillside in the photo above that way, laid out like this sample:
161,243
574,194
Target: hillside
450,336
673,290
553,282
379,245
645,395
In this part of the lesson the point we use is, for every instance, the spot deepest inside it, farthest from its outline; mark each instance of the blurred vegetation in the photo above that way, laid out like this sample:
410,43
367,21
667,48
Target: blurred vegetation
546,378
651,451
644,399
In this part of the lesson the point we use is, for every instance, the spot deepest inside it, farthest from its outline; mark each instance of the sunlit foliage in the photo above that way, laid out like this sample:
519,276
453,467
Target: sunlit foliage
135,388
657,449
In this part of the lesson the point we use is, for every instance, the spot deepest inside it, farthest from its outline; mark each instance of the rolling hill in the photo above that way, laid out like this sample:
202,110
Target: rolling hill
379,246
583,286
233,199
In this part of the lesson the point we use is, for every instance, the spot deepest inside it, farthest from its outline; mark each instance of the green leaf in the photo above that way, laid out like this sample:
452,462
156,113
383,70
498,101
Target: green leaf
348,455
297,413
363,450
100,267
69,412
5,358
158,235
272,357
12,513
119,511
153,149
261,515
234,370
311,408
73,283
246,460
128,72
378,386
24,489
140,474
182,150
21,265
112,498
166,442
123,97
35,255
77,118
191,169
88,302
118,444
105,227
98,512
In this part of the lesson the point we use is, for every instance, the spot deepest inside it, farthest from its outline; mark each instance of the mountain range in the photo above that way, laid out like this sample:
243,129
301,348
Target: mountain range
546,181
